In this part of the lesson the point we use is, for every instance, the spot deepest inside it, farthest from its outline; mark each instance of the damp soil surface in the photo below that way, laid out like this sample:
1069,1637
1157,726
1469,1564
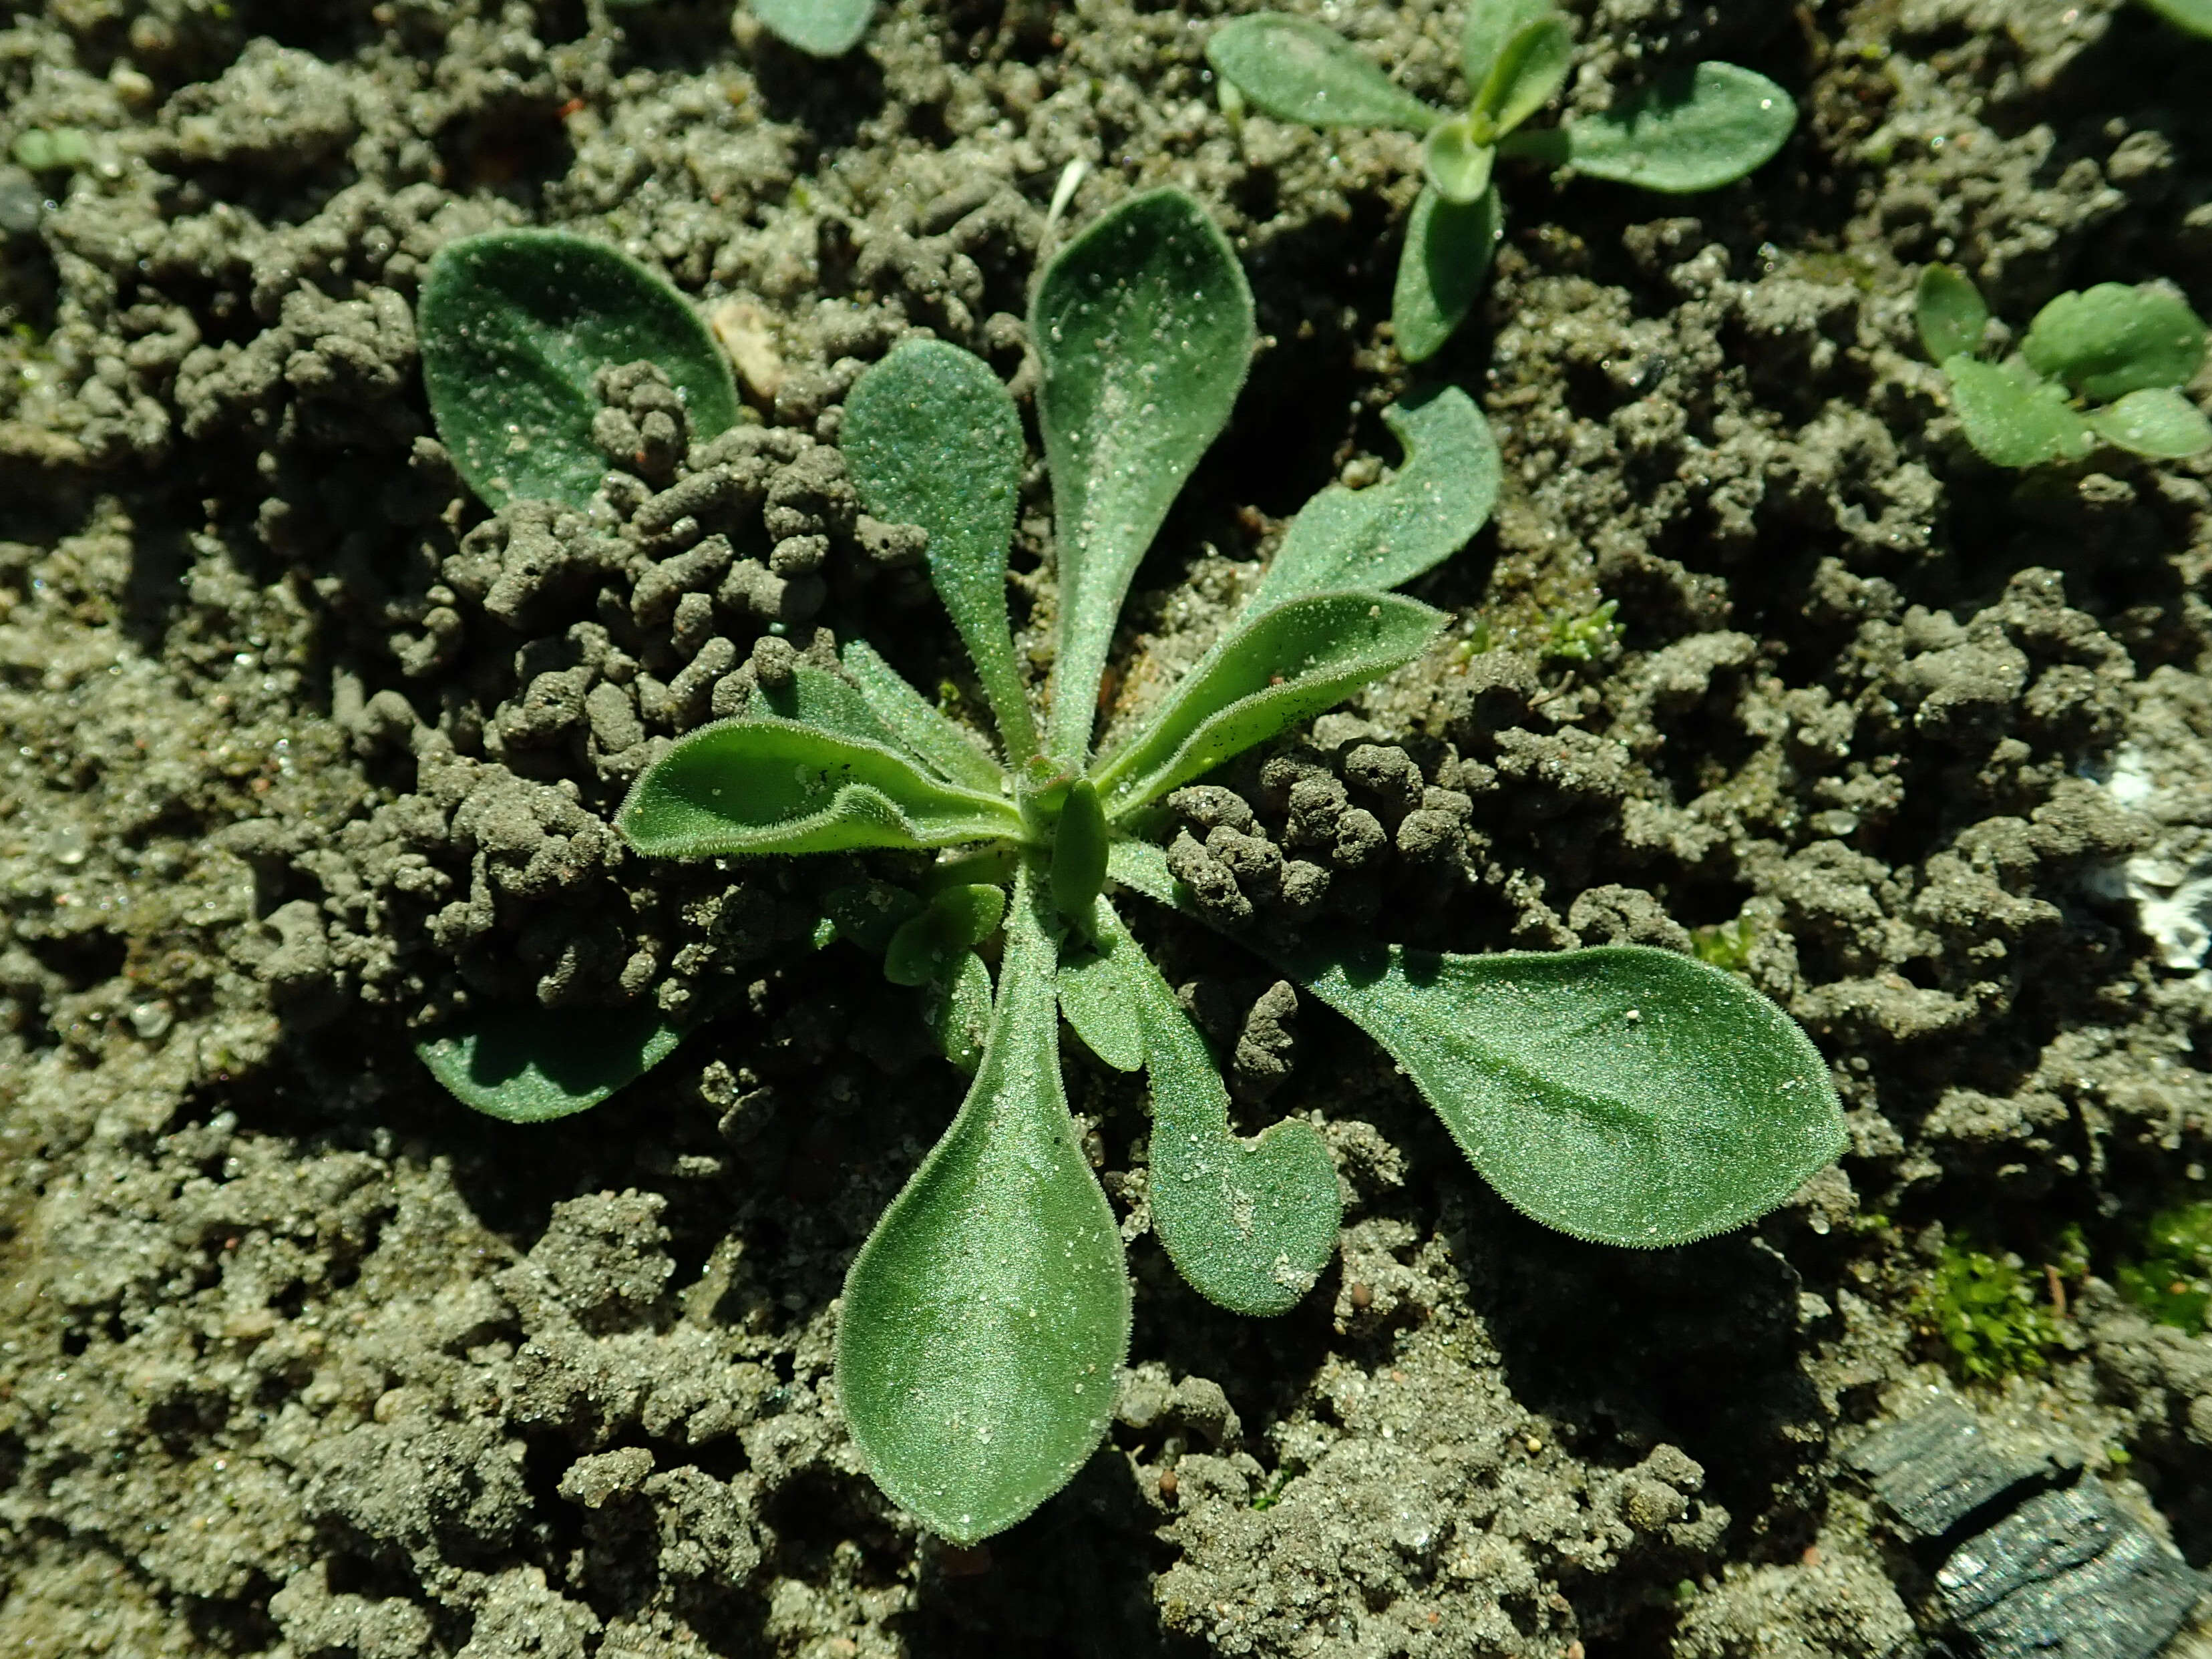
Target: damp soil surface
301,750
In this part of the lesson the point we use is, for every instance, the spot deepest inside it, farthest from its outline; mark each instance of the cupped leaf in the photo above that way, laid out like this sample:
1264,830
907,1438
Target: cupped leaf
934,439
1489,25
821,28
1388,533
2112,339
920,728
528,1064
1686,132
2157,421
514,325
1441,268
983,1319
1456,163
1249,1223
1078,853
958,1013
931,945
1528,72
2195,15
1296,69
1622,1094
771,785
1283,665
2012,418
1951,313
1144,323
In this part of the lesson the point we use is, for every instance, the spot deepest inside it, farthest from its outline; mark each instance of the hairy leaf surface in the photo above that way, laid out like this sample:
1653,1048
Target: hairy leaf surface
1096,1000
1489,25
958,1013
1528,71
931,945
514,325
1388,533
528,1064
822,29
2112,339
774,785
1441,268
1296,69
1951,313
2158,422
1622,1094
1145,326
941,741
984,1317
1686,132
934,439
2012,418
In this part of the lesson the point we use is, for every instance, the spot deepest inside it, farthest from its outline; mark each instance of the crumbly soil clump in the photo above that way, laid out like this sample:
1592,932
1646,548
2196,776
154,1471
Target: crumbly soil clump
305,751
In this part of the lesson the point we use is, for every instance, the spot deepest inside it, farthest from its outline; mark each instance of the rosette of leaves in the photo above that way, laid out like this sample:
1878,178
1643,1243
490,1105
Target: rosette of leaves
2099,365
1625,1095
1706,126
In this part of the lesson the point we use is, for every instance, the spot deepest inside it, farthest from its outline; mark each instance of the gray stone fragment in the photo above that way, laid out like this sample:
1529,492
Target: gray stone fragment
1940,1469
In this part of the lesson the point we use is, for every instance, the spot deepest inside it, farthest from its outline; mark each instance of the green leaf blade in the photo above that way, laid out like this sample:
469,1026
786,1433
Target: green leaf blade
1950,313
1442,267
1528,74
1095,999
920,726
1686,132
533,1065
1624,1095
1456,163
2195,15
934,439
1387,534
1296,69
1489,25
820,28
1145,326
2108,340
983,1319
2011,418
748,786
2157,421
514,326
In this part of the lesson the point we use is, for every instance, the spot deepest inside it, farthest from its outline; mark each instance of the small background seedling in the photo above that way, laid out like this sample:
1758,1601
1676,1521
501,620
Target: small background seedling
822,29
2099,365
1705,127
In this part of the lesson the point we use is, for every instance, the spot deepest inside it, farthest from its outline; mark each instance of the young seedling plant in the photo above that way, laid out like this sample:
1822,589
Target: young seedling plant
1625,1095
2099,365
1700,129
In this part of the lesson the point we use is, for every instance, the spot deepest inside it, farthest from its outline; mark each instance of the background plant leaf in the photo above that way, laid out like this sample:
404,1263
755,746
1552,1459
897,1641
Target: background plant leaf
1388,533
2112,339
1441,268
1274,668
1144,323
931,945
529,1065
934,439
2158,422
1490,24
985,1315
1296,69
515,324
1951,313
1685,133
1625,1095
821,28
921,728
2011,418
767,786
1530,70
2195,15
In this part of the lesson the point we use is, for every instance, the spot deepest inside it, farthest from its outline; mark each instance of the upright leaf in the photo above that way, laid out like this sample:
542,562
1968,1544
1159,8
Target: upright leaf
1274,669
920,728
1441,268
2112,339
1078,853
1296,69
1686,132
1455,162
821,28
984,1317
1250,1223
1489,25
2157,421
934,439
1622,1094
1145,326
1951,313
515,325
773,785
2013,418
1388,533
1532,68
528,1064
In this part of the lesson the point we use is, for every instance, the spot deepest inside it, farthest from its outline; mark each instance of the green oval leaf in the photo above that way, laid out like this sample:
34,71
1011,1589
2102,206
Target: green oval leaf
934,439
2013,418
959,1012
770,786
2111,339
1455,164
822,29
529,1065
1531,69
983,1319
1950,313
932,945
1144,323
1441,268
1686,132
514,325
1274,669
1094,998
1388,533
921,727
1489,25
1078,853
2158,422
1296,69
1624,1094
